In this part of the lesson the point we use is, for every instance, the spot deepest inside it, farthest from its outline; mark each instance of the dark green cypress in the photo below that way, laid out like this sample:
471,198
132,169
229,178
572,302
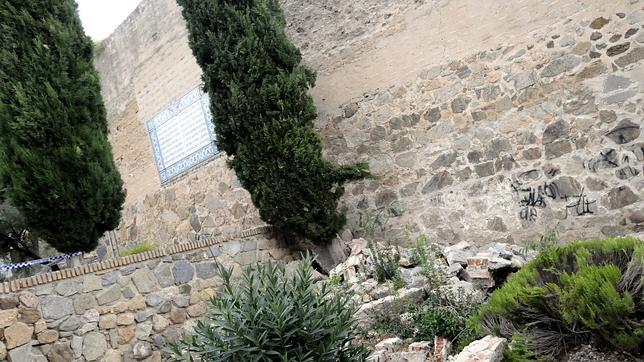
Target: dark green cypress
263,114
55,160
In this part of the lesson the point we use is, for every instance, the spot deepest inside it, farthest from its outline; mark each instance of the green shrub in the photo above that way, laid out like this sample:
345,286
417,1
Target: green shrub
438,322
603,304
425,256
420,250
585,292
446,312
138,249
274,316
263,115
518,351
394,325
385,264
550,237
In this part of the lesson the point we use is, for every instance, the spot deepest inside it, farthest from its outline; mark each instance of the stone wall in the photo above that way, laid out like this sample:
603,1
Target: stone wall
380,63
509,141
207,202
123,309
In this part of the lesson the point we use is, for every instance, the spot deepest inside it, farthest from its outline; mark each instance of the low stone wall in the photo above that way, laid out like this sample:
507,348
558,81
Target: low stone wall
123,309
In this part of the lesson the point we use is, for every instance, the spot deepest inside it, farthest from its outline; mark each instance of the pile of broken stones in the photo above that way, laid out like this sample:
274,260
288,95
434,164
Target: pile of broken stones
474,270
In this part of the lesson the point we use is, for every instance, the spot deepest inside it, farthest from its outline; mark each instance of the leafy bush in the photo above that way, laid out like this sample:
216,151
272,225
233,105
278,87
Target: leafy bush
585,292
263,115
425,256
420,250
274,316
385,264
517,351
138,249
446,312
387,324
550,237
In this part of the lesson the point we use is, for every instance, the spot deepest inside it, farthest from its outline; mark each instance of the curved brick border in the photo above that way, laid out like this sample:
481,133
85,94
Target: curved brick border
18,284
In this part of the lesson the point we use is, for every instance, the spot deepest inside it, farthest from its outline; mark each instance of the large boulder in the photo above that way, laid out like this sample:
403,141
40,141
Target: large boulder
393,304
488,349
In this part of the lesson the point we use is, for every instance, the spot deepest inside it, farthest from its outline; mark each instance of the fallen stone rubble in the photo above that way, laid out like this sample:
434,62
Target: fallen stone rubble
468,268
471,269
487,349
391,349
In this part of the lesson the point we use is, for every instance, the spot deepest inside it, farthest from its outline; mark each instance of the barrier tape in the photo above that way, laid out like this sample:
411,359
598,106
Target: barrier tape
48,261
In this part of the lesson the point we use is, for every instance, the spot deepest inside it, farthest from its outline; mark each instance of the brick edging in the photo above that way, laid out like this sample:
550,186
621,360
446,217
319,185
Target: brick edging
24,283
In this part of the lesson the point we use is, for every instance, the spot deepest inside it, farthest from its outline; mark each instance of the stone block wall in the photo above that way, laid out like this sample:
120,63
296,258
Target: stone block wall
146,63
400,84
506,142
207,202
124,309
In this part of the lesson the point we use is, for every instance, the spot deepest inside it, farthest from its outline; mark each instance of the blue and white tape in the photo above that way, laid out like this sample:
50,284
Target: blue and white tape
48,261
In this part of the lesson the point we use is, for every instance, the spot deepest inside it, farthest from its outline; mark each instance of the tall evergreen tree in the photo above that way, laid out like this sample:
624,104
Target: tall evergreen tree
55,160
263,114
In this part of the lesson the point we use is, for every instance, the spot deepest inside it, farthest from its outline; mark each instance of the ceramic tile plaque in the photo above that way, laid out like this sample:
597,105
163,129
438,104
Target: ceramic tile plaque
182,135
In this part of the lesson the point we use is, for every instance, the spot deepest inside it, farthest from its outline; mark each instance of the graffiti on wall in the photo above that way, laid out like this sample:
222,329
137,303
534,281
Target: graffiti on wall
580,205
611,159
625,164
533,198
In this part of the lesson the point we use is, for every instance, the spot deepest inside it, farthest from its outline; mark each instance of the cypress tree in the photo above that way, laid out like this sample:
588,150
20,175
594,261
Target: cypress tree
263,115
55,159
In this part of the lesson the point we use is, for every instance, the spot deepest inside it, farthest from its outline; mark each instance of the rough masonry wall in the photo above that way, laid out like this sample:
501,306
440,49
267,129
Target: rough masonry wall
386,51
125,313
506,142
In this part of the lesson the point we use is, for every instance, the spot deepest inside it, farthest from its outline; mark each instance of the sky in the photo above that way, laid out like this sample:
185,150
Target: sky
101,17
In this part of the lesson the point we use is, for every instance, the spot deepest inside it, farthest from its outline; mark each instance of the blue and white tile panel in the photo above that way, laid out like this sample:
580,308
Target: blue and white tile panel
182,135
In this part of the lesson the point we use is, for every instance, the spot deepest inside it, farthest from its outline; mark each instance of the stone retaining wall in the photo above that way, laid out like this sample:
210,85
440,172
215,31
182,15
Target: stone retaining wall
507,142
459,92
124,309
